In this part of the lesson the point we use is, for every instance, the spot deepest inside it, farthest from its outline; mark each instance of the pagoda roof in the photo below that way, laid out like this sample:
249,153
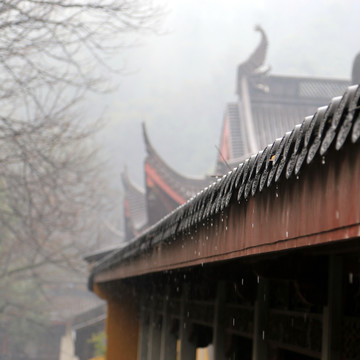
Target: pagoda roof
333,131
166,188
268,106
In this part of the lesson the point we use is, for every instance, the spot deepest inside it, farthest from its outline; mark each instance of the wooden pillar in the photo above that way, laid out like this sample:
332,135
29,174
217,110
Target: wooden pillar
144,331
168,340
122,325
261,306
187,349
331,341
219,322
154,331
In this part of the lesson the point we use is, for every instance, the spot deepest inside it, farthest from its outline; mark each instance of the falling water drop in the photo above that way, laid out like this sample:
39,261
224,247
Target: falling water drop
351,278
263,334
233,322
287,234
323,160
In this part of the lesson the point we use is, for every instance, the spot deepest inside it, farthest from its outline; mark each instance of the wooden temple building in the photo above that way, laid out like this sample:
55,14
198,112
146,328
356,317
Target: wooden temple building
262,263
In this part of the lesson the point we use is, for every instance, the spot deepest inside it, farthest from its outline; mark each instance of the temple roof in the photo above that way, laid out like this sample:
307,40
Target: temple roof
268,106
328,131
166,188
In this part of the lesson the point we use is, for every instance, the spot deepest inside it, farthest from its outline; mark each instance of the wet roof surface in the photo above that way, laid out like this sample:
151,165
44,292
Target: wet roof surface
330,127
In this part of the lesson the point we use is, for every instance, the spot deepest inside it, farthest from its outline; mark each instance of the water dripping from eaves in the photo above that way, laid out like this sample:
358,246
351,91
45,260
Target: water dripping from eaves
351,278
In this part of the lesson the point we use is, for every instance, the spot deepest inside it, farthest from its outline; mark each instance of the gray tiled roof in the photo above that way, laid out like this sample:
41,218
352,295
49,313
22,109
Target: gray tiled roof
330,127
283,103
238,142
135,197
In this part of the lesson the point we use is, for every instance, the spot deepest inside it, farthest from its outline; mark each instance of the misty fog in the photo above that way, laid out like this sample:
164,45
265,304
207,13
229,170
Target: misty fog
179,79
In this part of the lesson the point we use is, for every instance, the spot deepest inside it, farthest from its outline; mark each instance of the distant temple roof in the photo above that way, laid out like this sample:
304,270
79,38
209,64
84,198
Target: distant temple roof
268,106
165,188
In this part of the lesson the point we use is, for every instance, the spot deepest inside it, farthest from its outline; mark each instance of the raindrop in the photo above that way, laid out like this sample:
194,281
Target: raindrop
216,247
177,289
323,160
207,238
297,177
199,253
351,278
252,225
337,214
188,314
287,234
202,264
226,227
258,279
242,281
233,322
182,246
195,252
277,195
184,276
184,325
263,334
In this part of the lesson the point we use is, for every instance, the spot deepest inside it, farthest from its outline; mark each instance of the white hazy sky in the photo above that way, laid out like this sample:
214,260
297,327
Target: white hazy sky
179,82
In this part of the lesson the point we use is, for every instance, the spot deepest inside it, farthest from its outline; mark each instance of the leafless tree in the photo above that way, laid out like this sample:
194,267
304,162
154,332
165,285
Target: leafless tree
52,52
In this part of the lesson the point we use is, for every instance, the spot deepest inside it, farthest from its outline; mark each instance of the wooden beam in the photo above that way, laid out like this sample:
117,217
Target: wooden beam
187,349
331,342
260,318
